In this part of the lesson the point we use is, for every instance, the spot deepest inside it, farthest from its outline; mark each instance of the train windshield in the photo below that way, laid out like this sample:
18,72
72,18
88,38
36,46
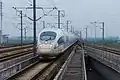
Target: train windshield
48,35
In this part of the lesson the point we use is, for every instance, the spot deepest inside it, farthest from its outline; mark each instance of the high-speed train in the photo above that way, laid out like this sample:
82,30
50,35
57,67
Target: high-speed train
53,41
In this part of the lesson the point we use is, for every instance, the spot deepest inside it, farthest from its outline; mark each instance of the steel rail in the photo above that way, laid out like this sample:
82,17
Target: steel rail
47,72
13,45
53,69
3,50
111,50
84,66
14,55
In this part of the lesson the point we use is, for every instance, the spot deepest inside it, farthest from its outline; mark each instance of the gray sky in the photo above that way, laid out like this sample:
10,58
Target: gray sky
80,12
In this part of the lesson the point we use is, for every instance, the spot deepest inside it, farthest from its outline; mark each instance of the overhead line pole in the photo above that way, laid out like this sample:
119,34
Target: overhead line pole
43,24
103,32
86,32
58,18
103,29
1,22
67,25
21,23
80,35
34,25
71,28
95,29
25,32
34,21
21,28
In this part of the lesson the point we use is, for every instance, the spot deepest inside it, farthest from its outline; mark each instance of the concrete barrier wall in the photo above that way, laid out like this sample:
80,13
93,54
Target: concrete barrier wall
11,67
11,62
104,71
109,59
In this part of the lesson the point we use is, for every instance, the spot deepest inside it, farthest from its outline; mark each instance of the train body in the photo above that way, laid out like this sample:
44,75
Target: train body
53,41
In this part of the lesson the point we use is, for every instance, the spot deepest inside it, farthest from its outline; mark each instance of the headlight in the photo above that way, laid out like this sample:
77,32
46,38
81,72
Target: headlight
51,45
40,45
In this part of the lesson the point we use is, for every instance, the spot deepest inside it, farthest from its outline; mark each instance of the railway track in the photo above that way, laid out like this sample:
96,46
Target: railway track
10,58
108,49
9,53
8,49
42,70
13,54
20,56
11,45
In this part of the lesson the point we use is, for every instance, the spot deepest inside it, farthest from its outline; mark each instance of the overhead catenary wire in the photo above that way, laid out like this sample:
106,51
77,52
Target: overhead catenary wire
44,15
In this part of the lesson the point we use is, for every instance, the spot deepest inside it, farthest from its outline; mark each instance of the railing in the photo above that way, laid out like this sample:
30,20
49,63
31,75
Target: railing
62,71
84,67
110,59
64,67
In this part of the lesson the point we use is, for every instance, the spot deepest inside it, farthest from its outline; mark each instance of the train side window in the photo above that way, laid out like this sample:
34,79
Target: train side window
61,40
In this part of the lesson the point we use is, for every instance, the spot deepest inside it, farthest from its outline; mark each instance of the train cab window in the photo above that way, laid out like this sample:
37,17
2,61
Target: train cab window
61,40
48,35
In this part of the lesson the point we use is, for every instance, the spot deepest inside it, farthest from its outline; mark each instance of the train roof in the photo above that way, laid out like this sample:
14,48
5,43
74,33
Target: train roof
59,32
56,30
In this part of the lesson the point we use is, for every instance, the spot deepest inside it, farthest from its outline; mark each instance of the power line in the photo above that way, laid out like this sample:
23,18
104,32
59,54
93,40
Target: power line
25,33
58,18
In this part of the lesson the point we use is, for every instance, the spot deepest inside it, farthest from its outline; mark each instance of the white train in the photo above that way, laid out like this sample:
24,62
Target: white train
53,41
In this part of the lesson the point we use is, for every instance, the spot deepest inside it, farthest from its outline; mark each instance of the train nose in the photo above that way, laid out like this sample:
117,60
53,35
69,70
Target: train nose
45,51
45,48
